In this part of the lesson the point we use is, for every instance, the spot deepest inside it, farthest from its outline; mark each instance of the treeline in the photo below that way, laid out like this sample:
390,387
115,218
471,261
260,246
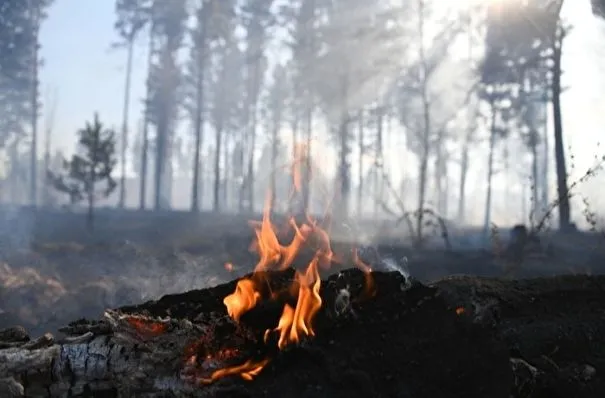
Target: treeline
227,75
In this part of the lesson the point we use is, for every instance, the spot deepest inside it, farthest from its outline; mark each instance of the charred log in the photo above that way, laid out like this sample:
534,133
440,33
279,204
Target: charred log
408,340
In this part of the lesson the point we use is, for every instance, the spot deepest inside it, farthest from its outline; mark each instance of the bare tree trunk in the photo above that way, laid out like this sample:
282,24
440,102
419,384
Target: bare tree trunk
125,109
34,102
306,180
534,173
145,146
463,175
217,169
273,176
47,147
438,173
196,190
562,189
379,156
344,168
226,172
360,164
490,172
545,156
424,158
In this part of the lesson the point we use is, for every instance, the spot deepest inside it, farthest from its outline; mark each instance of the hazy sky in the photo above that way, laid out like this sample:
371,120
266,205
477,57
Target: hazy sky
88,76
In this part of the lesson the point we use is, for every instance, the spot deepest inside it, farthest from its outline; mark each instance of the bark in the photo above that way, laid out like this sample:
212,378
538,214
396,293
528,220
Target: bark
114,357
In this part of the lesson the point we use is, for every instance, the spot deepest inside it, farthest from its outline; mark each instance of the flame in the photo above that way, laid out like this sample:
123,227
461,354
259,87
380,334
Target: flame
244,299
460,310
295,323
247,371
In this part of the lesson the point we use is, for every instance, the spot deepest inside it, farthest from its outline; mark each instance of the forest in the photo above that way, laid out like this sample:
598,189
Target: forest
398,170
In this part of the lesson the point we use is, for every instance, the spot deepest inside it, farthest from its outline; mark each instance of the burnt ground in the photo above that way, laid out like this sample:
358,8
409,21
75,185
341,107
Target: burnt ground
66,273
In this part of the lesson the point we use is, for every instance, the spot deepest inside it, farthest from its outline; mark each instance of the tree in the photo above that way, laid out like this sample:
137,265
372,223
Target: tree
165,92
213,26
257,19
226,104
132,15
532,34
89,167
276,98
598,8
19,64
424,108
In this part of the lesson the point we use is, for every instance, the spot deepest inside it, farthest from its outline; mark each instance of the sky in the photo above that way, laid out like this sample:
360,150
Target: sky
86,75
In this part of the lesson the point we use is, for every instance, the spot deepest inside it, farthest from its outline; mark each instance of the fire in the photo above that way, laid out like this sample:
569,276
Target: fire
145,327
295,322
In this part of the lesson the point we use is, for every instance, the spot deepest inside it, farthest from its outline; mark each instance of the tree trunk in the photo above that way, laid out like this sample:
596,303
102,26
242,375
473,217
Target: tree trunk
545,156
426,132
217,169
562,190
196,189
344,169
226,172
34,103
490,172
125,108
534,173
379,157
463,175
273,175
307,167
146,122
360,165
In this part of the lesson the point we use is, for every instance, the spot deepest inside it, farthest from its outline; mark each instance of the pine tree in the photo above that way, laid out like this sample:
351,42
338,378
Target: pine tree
91,166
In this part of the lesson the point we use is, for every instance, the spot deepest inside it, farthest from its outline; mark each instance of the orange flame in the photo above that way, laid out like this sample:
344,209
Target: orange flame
294,323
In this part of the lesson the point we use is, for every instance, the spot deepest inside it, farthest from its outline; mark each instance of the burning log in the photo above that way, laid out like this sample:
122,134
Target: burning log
452,339
143,349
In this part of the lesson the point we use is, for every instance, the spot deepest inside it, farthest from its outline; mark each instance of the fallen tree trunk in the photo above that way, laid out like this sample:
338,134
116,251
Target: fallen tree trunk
409,340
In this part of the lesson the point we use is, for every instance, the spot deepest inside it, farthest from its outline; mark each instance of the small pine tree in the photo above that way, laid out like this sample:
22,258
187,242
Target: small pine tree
90,166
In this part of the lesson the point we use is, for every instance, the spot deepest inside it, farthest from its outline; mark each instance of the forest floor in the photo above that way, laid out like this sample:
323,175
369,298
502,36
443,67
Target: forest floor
66,275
